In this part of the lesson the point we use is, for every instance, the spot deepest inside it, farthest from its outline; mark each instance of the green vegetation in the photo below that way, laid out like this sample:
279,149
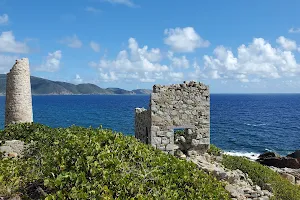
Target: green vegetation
88,163
264,177
179,132
214,150
44,86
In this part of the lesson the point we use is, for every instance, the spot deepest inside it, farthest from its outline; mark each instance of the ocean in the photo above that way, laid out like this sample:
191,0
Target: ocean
241,124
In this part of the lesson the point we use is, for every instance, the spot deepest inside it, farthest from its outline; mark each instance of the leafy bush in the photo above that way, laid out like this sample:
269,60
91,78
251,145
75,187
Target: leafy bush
214,150
179,132
88,163
262,176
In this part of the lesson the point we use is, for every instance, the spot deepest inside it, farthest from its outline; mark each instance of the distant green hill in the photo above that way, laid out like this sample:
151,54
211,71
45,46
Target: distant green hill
40,86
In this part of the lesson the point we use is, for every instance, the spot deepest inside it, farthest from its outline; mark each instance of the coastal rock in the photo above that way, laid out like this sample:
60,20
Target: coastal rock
289,177
238,184
296,154
293,175
268,155
12,148
281,162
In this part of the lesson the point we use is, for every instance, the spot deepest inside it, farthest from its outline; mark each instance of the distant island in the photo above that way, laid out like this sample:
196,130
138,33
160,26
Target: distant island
40,86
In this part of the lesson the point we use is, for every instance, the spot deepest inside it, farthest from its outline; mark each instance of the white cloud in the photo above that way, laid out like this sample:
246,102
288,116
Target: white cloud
294,30
78,79
72,41
136,63
4,19
258,60
287,44
8,44
179,62
52,62
107,77
6,63
176,76
128,3
95,46
197,73
92,10
153,55
184,39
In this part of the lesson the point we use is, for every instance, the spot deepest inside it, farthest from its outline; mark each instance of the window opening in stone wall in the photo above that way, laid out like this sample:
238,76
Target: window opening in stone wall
180,141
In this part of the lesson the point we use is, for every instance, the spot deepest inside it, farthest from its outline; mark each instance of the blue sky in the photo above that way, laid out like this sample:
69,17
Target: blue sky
234,46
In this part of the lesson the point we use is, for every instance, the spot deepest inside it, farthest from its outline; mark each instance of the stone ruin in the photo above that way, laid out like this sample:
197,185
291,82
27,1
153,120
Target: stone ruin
179,106
18,94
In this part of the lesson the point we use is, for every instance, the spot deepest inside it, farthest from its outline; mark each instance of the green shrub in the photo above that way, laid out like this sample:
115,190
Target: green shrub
87,163
262,176
179,132
214,150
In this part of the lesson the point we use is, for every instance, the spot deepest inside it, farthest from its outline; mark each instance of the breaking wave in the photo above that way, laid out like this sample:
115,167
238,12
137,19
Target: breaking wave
251,155
255,124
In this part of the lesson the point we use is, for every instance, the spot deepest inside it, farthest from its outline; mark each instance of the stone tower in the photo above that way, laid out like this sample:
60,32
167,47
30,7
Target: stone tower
18,94
179,106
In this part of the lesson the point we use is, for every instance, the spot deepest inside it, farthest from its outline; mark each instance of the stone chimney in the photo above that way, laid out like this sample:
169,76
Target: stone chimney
18,94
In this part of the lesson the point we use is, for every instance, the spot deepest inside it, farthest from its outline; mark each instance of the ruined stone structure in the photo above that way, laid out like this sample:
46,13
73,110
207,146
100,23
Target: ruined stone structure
180,106
18,94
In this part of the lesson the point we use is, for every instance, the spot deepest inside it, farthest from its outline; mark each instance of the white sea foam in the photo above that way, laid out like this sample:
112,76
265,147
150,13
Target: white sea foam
250,155
256,124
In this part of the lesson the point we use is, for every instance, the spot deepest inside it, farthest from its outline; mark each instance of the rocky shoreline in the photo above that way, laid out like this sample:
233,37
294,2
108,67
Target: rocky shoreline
287,166
238,184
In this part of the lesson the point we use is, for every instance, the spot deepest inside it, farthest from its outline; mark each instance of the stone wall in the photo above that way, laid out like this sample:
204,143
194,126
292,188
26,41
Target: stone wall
142,125
18,94
185,106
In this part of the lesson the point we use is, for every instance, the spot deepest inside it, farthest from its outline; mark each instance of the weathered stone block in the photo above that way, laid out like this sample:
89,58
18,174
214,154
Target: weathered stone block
156,140
174,112
170,147
161,147
161,133
195,142
199,136
165,140
204,141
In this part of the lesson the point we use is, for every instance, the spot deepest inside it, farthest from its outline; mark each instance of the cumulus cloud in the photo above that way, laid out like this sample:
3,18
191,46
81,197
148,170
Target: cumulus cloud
78,79
258,60
8,44
294,30
128,3
52,62
135,63
4,19
184,39
6,63
176,76
197,73
179,62
95,46
109,76
287,44
72,41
